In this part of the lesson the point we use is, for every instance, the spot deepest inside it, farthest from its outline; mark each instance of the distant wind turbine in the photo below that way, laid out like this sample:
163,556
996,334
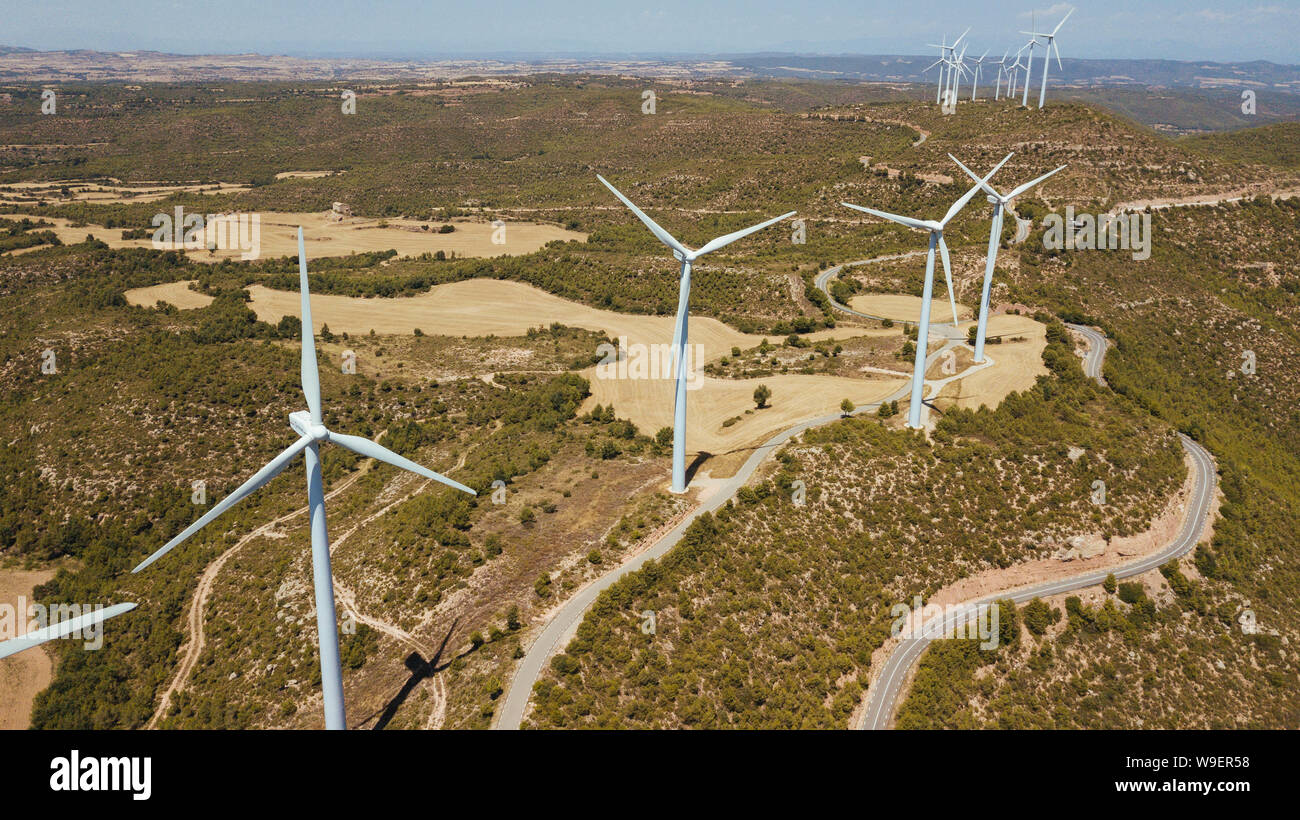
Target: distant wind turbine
979,66
999,202
312,433
1049,47
1029,71
935,230
947,55
1002,70
686,256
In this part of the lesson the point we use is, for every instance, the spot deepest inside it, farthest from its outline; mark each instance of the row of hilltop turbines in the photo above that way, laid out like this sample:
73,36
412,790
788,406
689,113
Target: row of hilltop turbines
953,67
934,228
311,432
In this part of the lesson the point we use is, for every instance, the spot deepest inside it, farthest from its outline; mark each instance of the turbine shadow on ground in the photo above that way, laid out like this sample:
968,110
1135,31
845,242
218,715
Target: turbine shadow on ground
419,669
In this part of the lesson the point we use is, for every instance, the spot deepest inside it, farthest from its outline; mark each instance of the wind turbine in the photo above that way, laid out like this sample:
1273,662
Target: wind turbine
686,256
62,629
999,202
1049,47
1029,71
946,54
942,62
1013,75
935,230
979,64
959,67
1001,64
312,433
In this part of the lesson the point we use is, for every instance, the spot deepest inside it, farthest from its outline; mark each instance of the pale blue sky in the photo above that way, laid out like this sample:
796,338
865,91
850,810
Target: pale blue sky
1168,29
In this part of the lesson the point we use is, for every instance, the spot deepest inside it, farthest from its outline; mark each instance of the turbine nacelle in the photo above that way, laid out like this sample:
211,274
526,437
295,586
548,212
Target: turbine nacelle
300,421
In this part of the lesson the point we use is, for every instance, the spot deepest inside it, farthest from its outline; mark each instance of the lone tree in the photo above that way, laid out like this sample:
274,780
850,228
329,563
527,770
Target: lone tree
761,394
846,407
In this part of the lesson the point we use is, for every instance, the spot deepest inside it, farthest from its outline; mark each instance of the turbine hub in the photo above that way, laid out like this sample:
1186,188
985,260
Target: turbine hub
300,421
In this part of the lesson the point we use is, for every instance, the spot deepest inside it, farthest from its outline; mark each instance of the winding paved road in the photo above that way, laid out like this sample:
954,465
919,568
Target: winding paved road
1098,344
883,694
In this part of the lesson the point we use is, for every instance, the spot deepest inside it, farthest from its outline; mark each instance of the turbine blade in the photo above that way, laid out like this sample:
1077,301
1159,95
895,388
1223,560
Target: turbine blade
1063,19
262,476
947,274
901,220
961,203
1032,183
972,175
1056,50
662,235
722,241
366,447
62,629
310,375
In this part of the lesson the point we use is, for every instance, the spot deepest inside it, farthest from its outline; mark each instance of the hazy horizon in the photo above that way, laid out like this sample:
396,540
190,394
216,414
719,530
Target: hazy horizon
1232,31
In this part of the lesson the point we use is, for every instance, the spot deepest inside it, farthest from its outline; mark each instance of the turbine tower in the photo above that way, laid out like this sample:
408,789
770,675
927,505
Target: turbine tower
935,230
999,202
62,629
312,433
1049,47
686,256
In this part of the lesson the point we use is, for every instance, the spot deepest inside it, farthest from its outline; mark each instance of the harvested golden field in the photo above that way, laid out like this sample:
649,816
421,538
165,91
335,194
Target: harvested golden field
902,308
1016,364
173,293
648,403
24,674
324,236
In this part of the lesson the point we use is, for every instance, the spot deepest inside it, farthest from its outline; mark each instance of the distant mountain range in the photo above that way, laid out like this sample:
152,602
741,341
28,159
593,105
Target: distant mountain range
26,65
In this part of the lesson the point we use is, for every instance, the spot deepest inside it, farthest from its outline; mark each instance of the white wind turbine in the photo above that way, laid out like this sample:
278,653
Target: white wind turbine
1049,47
1029,71
946,55
312,433
73,626
1013,74
942,62
1002,70
686,256
979,65
999,202
959,69
935,230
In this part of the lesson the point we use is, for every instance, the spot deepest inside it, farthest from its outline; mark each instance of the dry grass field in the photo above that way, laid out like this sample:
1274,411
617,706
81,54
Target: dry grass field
902,308
326,237
1017,364
24,674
